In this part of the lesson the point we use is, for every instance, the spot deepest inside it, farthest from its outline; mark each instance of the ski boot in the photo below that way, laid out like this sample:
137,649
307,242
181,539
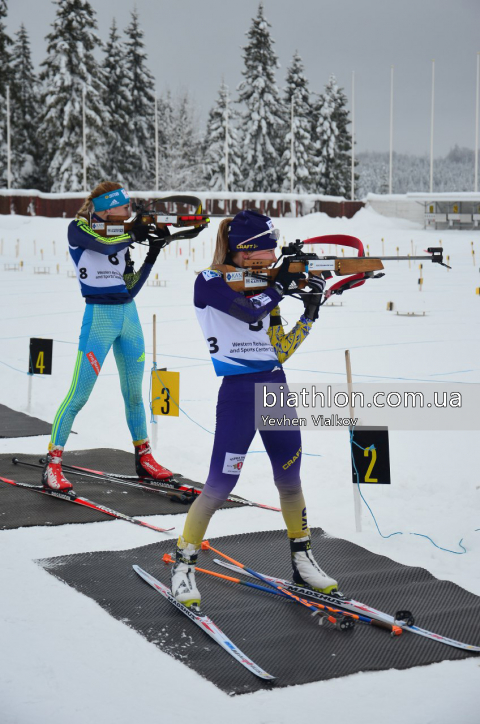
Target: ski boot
306,571
52,476
183,584
147,466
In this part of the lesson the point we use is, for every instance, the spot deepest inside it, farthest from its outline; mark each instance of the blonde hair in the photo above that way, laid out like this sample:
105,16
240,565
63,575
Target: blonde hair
102,188
221,247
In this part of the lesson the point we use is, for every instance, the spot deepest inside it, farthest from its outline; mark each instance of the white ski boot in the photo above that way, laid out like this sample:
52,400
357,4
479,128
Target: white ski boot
306,571
183,584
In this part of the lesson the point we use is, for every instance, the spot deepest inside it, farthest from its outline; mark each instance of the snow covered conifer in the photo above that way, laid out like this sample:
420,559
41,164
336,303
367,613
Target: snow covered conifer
262,118
333,142
5,79
180,152
220,136
303,147
26,144
70,67
141,108
118,83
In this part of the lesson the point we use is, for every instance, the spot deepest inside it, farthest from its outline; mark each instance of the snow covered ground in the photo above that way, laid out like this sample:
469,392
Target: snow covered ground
63,657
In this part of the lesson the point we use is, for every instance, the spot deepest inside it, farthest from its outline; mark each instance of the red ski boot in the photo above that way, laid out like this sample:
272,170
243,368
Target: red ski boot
147,466
52,476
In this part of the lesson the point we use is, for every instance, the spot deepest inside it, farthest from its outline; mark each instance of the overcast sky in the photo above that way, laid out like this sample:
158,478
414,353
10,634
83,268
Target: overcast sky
191,44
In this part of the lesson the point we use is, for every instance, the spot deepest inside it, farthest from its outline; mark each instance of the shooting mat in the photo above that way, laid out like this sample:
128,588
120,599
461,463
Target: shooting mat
280,636
20,507
18,424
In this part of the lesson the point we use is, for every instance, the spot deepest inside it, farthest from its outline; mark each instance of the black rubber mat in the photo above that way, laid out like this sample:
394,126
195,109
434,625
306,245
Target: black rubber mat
18,424
20,508
280,636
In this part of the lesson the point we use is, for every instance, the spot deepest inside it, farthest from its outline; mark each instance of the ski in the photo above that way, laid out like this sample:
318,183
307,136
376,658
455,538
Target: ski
349,604
206,624
171,483
72,497
179,497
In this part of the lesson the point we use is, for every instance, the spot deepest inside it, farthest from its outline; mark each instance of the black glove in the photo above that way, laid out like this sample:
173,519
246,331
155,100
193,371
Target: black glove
284,277
313,298
156,242
139,232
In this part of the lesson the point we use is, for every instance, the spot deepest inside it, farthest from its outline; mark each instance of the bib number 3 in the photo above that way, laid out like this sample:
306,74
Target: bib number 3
213,342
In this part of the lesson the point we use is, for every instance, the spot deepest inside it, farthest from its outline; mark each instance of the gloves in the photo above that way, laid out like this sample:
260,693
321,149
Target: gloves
156,243
312,299
140,232
284,277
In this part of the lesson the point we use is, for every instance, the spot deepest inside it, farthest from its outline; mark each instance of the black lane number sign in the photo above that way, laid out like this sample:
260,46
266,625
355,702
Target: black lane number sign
40,356
370,456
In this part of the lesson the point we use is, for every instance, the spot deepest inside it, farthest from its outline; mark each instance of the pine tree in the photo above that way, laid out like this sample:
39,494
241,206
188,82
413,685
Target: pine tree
262,119
5,80
180,152
220,136
69,69
141,109
118,83
303,147
26,146
333,142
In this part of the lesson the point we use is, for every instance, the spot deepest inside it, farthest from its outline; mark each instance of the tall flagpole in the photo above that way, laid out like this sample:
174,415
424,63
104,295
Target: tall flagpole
9,166
431,126
156,142
226,142
476,121
84,134
292,149
390,173
352,183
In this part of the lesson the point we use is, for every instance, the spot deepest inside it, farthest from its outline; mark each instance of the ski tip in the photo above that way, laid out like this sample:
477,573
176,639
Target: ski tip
15,460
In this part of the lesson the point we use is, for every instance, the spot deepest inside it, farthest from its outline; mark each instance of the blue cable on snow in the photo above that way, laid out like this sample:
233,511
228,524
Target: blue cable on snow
398,532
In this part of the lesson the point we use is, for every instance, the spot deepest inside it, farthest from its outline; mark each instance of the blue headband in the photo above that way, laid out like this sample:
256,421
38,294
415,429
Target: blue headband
118,197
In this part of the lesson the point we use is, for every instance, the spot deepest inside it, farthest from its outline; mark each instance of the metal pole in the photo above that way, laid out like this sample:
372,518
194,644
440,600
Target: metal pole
352,184
9,167
154,417
476,122
156,142
431,126
390,173
357,503
292,147
84,134
226,141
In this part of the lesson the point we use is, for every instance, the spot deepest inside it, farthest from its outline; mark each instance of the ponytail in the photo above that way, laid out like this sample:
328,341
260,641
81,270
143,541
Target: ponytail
102,188
221,247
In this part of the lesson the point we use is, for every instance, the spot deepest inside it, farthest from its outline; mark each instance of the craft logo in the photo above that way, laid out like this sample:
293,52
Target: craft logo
234,276
293,460
242,247
94,362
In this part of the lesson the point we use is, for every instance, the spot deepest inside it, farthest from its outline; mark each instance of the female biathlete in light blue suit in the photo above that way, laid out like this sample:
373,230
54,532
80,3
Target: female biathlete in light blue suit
108,283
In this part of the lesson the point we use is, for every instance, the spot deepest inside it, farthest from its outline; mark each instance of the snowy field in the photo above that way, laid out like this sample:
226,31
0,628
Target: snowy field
63,657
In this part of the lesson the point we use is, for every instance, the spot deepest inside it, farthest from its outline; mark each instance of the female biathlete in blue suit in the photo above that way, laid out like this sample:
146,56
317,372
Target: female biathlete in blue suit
246,349
108,283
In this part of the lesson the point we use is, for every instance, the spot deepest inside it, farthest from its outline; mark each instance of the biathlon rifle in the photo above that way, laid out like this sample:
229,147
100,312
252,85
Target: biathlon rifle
254,276
146,214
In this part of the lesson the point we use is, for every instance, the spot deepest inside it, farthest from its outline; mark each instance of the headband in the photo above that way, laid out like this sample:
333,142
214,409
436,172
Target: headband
118,197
